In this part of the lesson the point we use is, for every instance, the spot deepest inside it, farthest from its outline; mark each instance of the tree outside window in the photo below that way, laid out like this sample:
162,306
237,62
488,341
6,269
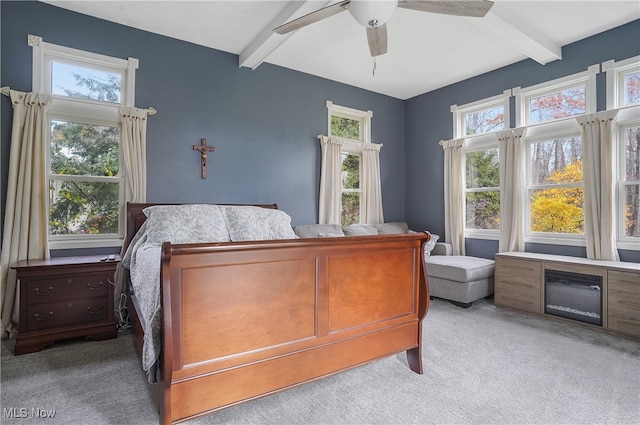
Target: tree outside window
84,185
560,104
556,194
631,182
84,179
483,190
484,121
351,129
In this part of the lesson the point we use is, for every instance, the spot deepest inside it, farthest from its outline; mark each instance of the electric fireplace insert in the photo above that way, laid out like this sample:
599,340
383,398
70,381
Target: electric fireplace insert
574,296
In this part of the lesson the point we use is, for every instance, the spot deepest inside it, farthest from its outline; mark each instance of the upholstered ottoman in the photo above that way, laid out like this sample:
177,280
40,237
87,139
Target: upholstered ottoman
460,279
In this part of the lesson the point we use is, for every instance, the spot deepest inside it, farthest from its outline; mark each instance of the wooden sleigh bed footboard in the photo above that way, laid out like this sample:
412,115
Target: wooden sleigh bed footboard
246,319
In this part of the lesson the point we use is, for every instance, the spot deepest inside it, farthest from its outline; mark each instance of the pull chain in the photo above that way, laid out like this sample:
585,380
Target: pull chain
374,67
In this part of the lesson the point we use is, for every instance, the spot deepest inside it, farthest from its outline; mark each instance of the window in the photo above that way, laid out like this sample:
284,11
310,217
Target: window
86,189
351,193
555,212
84,178
482,193
623,82
629,184
477,122
557,99
481,117
352,126
555,186
623,92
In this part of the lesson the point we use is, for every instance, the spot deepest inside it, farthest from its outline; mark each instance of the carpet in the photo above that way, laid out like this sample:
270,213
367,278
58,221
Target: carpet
482,365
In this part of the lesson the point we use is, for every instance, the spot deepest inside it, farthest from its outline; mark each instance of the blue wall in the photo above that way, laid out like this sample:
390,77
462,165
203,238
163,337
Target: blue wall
429,120
263,123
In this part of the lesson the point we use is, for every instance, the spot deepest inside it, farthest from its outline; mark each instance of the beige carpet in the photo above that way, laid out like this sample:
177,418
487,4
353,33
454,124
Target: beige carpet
483,365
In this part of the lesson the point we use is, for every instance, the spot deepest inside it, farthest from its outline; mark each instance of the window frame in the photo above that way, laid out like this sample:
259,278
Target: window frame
479,142
86,111
623,241
491,102
351,146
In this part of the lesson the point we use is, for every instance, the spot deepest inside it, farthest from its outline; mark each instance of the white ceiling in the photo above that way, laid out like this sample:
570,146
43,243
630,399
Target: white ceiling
425,51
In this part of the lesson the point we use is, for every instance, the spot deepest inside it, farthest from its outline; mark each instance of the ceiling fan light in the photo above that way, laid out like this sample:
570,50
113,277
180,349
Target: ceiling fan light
371,12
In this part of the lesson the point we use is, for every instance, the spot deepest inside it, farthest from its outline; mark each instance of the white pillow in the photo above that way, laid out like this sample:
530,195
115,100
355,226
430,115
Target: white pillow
247,223
190,223
359,230
428,246
392,228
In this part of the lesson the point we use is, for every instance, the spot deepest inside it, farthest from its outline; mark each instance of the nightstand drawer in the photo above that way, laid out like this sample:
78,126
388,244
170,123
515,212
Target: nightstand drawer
45,316
66,288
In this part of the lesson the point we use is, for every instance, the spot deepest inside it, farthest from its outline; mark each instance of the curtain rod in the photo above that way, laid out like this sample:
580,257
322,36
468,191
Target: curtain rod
6,90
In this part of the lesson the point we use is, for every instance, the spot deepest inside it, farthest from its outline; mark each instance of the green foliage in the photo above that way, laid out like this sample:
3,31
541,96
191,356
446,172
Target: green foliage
350,208
78,206
350,180
105,91
84,207
483,208
345,127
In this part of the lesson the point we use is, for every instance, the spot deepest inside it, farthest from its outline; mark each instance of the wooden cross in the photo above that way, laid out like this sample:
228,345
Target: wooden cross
203,149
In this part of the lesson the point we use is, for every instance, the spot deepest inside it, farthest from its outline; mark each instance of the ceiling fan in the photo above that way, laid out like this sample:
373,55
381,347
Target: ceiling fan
374,14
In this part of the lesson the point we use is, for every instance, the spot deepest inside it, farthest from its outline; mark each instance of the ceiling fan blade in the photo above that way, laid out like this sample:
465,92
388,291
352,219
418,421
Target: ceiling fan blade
377,38
477,8
312,17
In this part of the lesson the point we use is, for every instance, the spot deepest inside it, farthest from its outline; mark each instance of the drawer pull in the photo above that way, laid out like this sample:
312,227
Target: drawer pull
37,291
93,288
37,316
94,311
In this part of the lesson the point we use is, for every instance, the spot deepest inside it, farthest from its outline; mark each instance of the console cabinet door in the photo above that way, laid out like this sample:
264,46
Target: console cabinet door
623,302
517,284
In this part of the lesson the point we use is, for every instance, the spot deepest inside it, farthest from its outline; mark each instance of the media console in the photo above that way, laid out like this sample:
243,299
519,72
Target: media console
603,294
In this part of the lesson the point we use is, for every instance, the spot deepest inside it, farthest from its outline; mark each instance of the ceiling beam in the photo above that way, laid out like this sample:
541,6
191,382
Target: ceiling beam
267,41
532,43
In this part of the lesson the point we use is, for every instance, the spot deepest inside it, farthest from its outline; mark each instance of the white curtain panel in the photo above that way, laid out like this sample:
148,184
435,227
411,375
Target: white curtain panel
25,222
330,181
133,141
599,185
454,194
371,185
512,197
134,148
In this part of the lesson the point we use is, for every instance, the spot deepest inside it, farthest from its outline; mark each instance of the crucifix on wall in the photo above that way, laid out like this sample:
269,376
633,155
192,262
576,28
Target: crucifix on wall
203,149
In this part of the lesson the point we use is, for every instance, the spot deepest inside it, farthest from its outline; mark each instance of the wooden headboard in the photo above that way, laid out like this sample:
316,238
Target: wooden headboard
135,216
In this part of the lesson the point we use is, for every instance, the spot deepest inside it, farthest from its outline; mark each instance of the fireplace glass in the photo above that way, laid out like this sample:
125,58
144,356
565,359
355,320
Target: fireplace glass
573,296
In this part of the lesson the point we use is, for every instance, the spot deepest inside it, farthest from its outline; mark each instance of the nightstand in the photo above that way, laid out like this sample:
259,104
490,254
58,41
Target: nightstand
65,297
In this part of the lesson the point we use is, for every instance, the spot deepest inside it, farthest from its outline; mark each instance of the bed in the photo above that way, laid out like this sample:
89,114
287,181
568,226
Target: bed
243,319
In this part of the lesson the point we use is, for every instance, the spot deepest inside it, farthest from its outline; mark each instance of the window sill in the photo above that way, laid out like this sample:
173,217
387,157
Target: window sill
85,243
492,235
556,240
